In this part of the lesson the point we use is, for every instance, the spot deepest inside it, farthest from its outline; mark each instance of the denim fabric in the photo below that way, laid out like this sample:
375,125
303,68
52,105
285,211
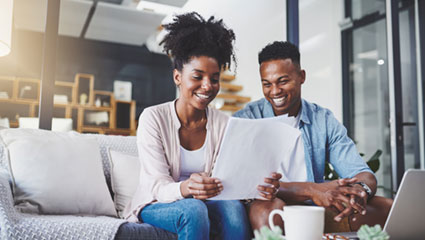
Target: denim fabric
196,219
136,231
325,139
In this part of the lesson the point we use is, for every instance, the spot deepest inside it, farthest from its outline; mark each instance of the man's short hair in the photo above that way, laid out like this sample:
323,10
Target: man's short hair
279,50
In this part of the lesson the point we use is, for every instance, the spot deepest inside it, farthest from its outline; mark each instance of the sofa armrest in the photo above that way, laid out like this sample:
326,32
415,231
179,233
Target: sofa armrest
7,209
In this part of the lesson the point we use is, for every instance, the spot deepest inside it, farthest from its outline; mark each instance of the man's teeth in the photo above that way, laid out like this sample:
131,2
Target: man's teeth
203,96
279,100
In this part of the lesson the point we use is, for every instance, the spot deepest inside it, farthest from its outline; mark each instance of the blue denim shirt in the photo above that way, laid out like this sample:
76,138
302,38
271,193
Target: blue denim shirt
325,139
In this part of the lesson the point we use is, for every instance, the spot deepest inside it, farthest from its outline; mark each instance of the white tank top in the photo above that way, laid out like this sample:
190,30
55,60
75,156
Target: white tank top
192,161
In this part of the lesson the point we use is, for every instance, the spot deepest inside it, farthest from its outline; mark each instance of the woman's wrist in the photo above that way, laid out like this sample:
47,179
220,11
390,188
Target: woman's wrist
183,189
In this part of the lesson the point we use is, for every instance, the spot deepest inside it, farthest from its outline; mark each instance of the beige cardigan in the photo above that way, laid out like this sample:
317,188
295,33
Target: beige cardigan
159,154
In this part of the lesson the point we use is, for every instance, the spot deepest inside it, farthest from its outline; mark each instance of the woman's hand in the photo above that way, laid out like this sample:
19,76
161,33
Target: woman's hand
270,190
200,186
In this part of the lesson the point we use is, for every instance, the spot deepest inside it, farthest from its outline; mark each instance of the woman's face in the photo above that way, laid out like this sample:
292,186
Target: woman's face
198,81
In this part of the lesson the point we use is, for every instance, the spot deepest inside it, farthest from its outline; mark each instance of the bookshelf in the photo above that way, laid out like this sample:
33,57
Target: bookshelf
92,111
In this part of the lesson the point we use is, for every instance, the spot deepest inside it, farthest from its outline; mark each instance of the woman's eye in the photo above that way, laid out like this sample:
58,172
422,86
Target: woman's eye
197,77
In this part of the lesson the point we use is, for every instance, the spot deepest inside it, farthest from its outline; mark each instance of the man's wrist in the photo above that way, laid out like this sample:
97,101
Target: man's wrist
310,190
366,188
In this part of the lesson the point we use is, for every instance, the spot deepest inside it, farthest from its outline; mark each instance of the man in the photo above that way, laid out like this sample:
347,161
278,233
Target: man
325,140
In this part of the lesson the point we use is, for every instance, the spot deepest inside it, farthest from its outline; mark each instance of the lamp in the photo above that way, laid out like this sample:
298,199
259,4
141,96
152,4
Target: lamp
6,12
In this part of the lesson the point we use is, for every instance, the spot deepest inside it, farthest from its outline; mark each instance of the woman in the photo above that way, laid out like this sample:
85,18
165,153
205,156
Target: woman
178,141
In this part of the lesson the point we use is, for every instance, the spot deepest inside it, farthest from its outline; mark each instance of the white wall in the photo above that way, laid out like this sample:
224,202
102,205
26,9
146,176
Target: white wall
257,23
320,47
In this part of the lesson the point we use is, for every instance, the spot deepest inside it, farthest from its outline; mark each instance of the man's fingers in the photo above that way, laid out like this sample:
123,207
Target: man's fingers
357,204
338,205
268,189
347,212
346,181
272,181
267,196
276,175
353,191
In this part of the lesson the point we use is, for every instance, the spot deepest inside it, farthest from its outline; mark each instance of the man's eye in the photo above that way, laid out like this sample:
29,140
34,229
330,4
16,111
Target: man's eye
215,80
283,82
266,84
197,77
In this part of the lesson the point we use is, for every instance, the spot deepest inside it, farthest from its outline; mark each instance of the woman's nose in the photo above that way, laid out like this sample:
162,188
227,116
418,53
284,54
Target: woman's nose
206,84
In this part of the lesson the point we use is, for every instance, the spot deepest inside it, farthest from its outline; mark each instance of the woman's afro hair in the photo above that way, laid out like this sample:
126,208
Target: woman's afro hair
190,35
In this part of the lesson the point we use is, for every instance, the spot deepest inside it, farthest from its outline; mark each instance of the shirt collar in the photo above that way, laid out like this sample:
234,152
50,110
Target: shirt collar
304,116
268,111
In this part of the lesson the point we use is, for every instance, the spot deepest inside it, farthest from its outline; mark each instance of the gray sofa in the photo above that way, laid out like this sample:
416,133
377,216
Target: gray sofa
17,225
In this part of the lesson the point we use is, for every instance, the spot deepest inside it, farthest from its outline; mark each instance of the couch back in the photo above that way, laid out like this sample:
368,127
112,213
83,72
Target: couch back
125,144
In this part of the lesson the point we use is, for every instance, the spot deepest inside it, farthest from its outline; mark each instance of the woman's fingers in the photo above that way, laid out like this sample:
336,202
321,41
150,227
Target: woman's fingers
198,192
203,178
202,187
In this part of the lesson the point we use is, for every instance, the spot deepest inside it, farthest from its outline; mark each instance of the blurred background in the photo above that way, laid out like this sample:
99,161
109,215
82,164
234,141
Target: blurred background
363,58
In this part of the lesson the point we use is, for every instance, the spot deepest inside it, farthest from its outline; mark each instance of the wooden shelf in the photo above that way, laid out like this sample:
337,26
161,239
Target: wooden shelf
83,84
233,98
231,108
230,87
227,78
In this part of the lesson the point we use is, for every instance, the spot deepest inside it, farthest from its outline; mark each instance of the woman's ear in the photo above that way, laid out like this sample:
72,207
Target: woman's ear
177,77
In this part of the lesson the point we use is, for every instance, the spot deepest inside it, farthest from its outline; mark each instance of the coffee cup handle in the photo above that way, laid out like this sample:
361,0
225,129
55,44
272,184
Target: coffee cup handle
271,215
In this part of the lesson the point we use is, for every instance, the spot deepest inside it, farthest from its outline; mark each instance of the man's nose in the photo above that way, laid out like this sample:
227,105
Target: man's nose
275,90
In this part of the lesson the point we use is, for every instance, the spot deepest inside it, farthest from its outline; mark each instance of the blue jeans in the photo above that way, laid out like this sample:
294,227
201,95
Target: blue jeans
196,219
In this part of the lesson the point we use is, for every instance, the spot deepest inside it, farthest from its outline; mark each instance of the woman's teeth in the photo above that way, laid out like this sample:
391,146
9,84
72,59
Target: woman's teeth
203,96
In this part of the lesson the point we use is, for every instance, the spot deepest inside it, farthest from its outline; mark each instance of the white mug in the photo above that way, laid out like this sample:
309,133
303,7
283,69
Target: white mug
301,222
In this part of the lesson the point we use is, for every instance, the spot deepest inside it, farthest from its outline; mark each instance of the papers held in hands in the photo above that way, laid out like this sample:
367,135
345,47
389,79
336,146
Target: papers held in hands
251,150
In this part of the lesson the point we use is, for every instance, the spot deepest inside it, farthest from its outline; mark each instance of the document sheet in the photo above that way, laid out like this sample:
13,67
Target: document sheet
251,150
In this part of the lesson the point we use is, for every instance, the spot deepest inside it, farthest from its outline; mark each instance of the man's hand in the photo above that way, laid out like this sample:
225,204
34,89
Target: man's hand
200,186
341,196
270,190
358,196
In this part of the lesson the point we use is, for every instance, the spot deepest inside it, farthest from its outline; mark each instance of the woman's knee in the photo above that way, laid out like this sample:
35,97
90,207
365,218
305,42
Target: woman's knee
194,210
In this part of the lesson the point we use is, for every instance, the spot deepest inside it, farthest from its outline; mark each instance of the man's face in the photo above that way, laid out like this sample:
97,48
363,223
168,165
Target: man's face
281,81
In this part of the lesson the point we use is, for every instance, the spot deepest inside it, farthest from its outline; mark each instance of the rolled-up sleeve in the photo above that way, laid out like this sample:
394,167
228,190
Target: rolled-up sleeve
342,151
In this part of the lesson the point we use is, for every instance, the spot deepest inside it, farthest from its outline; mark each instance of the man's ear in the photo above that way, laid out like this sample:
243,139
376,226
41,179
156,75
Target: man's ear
302,74
177,77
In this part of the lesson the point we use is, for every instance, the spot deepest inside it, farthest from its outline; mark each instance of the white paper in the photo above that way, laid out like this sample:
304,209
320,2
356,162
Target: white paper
251,150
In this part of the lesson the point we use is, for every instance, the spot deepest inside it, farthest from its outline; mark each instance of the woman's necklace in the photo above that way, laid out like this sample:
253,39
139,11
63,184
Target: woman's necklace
195,126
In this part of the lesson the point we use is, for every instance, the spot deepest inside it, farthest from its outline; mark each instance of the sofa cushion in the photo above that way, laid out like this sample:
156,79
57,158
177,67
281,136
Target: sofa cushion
126,144
56,173
125,174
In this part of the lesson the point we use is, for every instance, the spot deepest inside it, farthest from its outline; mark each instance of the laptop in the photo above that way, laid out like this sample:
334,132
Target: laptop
407,215
406,219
